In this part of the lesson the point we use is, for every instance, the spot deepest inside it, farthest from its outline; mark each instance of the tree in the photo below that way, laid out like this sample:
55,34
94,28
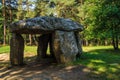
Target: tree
6,19
1,25
20,10
4,23
111,18
66,9
101,18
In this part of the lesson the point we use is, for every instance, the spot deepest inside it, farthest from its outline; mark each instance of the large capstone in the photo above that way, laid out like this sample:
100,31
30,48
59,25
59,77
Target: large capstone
44,25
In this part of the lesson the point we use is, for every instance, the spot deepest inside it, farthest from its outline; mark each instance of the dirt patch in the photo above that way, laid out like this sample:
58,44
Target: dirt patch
4,57
42,71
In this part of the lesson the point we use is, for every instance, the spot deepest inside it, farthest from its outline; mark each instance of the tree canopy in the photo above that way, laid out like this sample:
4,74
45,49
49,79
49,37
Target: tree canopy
101,18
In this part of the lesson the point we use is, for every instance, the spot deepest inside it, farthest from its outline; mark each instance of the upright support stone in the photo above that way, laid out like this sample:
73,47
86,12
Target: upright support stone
65,46
42,46
16,50
79,44
51,46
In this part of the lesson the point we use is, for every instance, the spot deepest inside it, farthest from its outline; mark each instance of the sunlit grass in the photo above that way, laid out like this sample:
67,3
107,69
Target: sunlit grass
103,61
30,49
4,49
86,49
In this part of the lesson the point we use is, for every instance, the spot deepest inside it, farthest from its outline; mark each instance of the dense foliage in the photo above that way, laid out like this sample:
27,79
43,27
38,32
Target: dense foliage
101,18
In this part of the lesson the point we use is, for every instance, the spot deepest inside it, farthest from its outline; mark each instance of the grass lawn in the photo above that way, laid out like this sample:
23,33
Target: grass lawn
4,49
103,61
28,49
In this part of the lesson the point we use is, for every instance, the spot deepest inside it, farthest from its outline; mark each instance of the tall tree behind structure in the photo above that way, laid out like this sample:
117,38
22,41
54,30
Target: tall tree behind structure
10,10
9,18
1,25
102,19
19,13
30,36
66,9
4,23
41,7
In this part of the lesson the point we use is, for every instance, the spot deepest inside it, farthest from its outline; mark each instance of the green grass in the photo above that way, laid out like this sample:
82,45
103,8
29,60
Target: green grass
28,49
103,61
4,49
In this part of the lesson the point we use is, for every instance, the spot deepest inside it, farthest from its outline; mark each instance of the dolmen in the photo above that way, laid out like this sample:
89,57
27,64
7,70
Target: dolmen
61,34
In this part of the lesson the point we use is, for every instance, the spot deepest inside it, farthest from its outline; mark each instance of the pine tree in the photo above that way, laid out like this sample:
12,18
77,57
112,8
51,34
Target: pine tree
4,23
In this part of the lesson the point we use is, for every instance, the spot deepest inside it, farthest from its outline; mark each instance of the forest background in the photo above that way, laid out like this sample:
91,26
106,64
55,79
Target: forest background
100,18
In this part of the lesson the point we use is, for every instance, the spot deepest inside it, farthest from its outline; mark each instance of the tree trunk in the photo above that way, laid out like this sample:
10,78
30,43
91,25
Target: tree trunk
30,39
115,42
115,38
98,43
4,23
106,42
10,11
19,13
10,18
87,43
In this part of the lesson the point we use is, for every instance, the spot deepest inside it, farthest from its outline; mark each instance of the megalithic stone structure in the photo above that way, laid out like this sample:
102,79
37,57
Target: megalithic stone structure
62,35
16,49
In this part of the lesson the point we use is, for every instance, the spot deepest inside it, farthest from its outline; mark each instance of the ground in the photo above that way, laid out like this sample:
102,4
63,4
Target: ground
96,63
41,71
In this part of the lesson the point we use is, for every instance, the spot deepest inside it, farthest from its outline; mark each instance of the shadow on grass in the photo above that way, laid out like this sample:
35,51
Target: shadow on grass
104,63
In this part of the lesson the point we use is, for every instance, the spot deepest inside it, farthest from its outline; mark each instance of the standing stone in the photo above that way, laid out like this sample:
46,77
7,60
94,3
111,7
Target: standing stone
16,49
42,46
65,46
51,46
79,44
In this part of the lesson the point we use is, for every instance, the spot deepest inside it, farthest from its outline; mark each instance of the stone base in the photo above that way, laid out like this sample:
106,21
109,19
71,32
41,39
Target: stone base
16,49
42,46
65,46
79,44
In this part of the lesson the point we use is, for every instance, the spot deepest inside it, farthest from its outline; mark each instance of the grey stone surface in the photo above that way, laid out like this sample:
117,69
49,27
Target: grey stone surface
45,42
42,46
44,24
65,46
16,49
79,44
